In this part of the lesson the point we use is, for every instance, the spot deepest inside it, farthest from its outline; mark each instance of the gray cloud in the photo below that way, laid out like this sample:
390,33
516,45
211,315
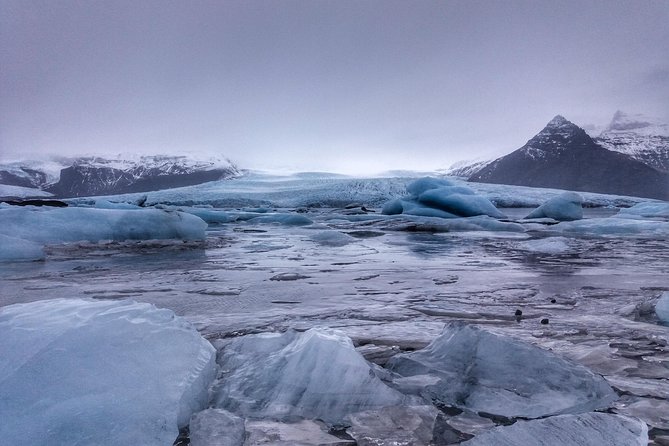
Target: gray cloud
344,85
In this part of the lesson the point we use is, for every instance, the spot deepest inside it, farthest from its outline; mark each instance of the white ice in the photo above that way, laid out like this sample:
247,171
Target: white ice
484,372
317,374
564,207
82,372
548,245
59,225
589,429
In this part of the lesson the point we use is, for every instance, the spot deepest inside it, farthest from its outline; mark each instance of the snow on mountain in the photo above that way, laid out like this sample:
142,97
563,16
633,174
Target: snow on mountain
93,175
643,138
466,168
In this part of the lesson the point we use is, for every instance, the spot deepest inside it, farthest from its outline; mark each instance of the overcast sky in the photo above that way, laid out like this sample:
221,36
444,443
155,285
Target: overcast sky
335,85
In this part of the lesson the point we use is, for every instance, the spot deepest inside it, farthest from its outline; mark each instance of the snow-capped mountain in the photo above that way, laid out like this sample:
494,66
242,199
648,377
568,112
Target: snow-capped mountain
466,168
90,175
563,156
643,138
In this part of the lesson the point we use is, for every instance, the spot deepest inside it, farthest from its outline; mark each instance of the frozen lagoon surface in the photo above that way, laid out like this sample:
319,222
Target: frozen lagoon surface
391,283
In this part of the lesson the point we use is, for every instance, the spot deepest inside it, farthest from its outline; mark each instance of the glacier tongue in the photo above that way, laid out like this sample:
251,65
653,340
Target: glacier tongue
590,429
79,372
317,374
484,372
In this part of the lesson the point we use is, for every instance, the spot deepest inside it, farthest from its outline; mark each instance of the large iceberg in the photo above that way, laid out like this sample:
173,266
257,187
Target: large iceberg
477,370
589,429
317,374
80,372
57,225
435,197
565,207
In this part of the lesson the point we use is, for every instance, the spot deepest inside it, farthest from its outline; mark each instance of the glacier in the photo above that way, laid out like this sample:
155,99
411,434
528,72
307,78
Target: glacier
81,372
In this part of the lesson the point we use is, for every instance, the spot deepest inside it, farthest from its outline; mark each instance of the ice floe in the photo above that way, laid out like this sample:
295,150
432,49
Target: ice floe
59,225
477,370
82,372
662,308
317,374
564,207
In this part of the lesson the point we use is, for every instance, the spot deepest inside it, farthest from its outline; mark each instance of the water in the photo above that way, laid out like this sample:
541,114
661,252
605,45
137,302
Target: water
392,288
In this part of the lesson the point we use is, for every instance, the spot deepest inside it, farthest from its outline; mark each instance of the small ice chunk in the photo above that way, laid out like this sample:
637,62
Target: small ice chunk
588,429
283,219
14,249
484,372
81,372
564,207
662,308
548,245
106,204
421,185
317,374
216,427
401,425
332,238
302,433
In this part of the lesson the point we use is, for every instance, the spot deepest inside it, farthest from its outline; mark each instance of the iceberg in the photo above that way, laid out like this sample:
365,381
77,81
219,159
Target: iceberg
611,226
461,204
14,249
650,209
565,207
82,372
434,197
589,429
317,374
332,238
662,308
477,370
71,224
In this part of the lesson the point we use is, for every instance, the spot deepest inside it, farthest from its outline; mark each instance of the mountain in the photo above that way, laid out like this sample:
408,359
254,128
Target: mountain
563,156
466,168
643,138
88,176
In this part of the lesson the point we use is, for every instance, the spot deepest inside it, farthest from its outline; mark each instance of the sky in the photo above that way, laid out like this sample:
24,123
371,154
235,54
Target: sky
339,85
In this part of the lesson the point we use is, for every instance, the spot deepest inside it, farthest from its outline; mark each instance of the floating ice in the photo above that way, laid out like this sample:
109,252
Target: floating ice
406,425
57,225
317,375
549,245
484,372
283,219
614,226
301,433
464,205
106,204
332,238
662,308
589,429
651,209
216,427
14,249
79,372
419,186
564,207
433,197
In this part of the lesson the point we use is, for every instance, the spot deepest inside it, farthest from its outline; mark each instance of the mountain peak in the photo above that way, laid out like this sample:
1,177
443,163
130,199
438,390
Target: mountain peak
558,121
